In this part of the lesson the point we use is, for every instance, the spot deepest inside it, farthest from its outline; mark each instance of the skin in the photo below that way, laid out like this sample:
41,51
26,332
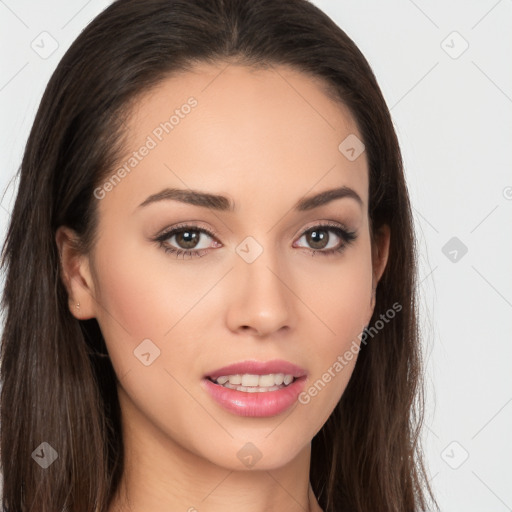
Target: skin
263,138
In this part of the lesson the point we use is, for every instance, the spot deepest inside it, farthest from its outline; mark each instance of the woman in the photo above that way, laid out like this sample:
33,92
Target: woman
137,377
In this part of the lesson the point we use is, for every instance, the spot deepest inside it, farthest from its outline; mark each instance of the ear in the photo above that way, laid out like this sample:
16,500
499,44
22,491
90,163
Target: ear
76,274
380,254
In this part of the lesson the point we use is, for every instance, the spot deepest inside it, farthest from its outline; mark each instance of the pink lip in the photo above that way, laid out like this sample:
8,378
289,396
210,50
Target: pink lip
259,368
264,404
243,403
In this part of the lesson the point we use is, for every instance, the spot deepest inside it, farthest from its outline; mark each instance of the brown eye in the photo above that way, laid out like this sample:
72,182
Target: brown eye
317,238
187,239
327,239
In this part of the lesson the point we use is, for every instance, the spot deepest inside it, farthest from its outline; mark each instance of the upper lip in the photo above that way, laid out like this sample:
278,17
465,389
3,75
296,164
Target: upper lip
254,367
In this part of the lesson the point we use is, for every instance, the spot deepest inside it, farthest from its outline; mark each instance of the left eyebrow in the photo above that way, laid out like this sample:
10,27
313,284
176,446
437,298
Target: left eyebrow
308,203
222,203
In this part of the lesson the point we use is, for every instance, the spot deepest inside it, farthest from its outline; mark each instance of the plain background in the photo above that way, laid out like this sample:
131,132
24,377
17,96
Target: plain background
444,69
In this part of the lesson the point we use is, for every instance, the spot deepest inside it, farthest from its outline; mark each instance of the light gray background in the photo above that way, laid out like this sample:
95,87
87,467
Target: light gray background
452,112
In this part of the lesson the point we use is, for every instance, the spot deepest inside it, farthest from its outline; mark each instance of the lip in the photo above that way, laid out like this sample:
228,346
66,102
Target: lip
264,404
256,404
259,368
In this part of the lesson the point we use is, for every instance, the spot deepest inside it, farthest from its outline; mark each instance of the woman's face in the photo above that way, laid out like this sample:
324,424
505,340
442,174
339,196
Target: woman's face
267,141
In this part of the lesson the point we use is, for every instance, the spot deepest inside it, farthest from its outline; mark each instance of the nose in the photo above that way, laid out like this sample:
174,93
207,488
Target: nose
261,300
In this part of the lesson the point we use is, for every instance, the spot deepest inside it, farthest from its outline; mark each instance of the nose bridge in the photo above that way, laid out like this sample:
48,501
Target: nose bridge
261,300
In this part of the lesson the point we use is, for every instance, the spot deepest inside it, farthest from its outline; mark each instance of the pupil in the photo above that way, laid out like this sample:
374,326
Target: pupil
321,238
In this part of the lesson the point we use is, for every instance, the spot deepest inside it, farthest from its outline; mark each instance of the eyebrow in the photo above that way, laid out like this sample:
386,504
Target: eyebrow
224,204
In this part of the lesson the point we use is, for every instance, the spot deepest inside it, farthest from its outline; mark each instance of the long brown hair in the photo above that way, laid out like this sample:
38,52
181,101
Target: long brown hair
56,387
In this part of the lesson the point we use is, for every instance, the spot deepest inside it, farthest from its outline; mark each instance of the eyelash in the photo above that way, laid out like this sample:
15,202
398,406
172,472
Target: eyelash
347,236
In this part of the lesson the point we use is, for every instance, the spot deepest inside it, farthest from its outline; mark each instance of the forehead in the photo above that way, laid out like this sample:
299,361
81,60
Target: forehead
241,131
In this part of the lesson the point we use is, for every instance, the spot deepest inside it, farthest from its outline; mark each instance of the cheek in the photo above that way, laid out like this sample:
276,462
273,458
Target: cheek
139,295
146,294
342,292
342,300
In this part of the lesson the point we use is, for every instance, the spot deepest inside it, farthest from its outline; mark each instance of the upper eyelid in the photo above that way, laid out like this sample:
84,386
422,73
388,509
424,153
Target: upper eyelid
180,227
325,224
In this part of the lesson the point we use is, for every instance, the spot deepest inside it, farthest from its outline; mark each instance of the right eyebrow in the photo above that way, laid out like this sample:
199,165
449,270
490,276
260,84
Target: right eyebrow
194,197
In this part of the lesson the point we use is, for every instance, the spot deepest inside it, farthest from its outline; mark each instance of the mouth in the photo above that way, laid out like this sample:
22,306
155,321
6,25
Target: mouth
254,388
253,383
257,374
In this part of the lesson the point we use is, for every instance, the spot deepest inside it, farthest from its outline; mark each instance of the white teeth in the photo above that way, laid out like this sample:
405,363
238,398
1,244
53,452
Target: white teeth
287,379
251,383
266,380
250,380
252,389
235,379
279,378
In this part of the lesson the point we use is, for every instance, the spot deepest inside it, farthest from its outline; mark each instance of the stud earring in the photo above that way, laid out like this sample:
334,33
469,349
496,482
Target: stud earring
77,306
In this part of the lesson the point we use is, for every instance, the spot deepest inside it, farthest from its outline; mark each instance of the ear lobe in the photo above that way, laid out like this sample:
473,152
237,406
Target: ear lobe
75,274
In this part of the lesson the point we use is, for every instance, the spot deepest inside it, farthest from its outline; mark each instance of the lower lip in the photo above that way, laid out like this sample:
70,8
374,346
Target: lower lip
258,404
